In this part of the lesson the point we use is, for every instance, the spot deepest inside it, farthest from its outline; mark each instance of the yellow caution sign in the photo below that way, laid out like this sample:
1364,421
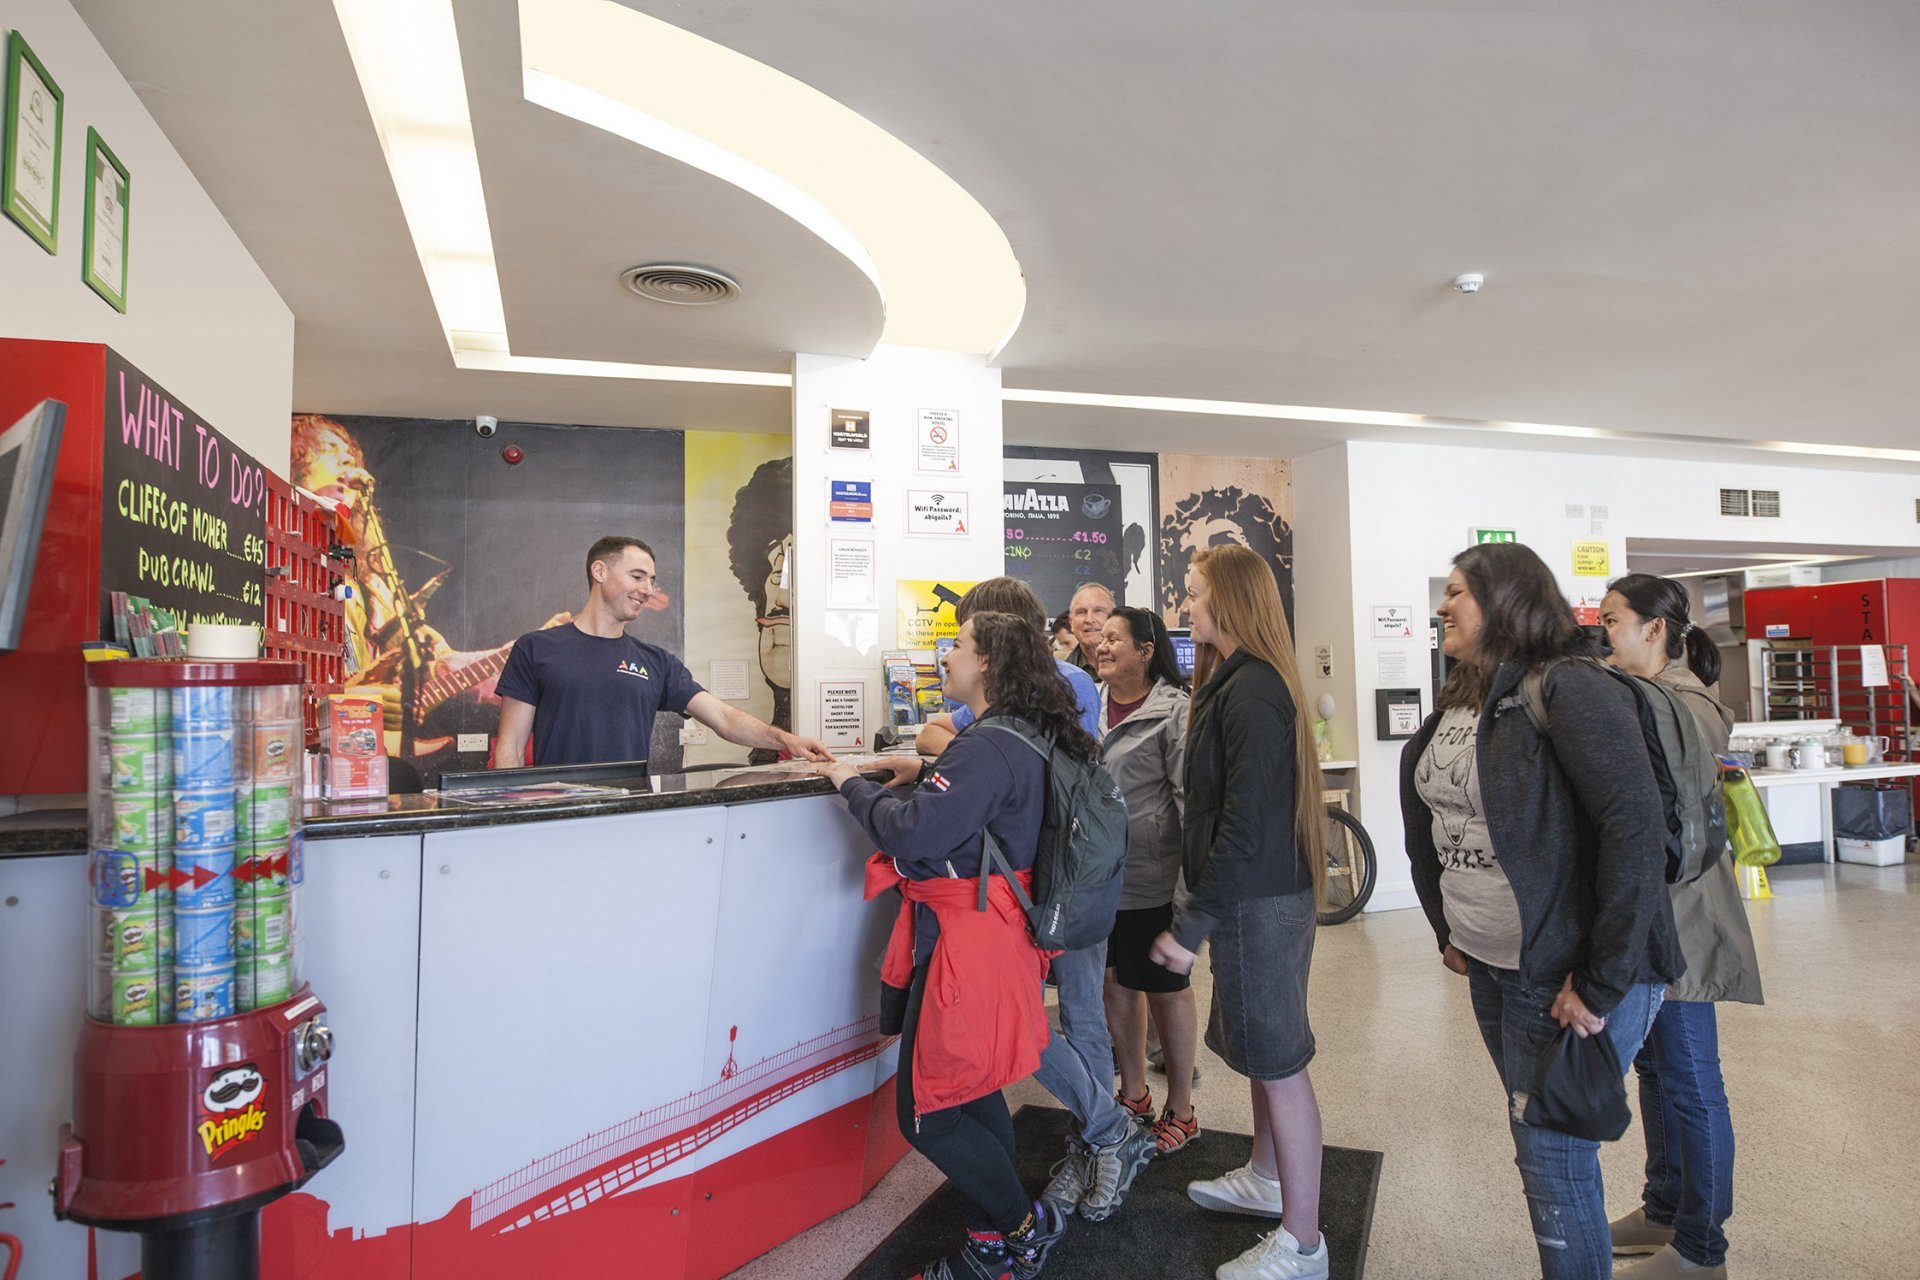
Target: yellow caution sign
1753,882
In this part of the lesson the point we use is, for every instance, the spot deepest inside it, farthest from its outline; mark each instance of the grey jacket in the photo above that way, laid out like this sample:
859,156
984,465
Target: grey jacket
1146,753
1708,913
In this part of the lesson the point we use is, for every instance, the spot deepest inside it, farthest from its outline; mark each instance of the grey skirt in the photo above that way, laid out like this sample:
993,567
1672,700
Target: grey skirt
1262,949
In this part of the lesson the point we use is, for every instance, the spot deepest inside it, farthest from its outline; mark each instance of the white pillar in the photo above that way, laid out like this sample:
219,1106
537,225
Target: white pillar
893,386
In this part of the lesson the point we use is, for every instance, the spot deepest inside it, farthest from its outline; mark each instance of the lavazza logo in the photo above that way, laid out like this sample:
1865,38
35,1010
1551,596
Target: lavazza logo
1033,501
630,668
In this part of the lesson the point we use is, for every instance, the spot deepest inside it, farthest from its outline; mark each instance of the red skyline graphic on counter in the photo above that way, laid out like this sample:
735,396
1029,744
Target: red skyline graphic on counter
580,1210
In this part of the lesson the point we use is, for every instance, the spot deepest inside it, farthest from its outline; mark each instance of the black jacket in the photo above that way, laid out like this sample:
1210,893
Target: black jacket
1237,834
1576,824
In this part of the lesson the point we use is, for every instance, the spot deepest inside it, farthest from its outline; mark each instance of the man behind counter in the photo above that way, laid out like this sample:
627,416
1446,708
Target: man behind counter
587,691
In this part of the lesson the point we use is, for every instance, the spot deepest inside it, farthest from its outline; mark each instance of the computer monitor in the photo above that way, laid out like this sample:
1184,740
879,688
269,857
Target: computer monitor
29,453
1182,649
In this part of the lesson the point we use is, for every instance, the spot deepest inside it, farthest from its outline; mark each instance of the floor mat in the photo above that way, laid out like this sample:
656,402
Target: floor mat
1158,1232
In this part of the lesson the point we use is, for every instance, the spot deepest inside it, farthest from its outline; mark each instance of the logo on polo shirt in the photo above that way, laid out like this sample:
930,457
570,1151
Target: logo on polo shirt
629,668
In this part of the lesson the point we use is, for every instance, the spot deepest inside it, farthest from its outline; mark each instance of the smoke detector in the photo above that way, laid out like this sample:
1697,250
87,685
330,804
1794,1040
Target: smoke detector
1468,282
681,285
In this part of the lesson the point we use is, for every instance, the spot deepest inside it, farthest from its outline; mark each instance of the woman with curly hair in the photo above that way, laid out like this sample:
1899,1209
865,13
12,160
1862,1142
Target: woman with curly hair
956,1055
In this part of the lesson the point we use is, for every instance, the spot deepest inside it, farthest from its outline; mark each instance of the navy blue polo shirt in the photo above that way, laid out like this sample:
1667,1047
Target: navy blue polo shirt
593,697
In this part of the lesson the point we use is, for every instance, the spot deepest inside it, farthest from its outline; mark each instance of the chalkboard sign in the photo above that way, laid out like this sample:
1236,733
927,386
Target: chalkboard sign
1062,536
183,511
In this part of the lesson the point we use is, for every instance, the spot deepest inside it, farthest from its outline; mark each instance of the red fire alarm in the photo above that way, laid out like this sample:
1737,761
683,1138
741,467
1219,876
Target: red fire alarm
512,454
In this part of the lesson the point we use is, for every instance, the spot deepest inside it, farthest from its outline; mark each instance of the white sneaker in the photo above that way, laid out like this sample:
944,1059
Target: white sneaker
1277,1257
1242,1190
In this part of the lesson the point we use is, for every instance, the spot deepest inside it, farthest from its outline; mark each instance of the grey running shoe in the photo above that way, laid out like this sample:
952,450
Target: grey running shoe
1072,1176
1115,1166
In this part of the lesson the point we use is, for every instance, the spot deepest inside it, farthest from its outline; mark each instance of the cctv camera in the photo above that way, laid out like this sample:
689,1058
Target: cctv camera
487,425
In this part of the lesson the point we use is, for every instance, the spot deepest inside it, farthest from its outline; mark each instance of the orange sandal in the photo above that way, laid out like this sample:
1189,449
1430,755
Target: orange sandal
1141,1107
1172,1133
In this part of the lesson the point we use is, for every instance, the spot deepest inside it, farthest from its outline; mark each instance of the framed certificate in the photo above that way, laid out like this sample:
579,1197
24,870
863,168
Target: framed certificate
30,180
104,263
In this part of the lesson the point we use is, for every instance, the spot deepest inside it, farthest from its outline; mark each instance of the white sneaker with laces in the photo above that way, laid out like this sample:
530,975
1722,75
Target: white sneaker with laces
1278,1256
1242,1190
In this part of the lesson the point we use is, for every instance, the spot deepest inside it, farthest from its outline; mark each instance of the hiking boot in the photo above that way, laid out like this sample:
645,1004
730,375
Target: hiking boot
982,1257
1027,1254
1278,1256
1171,1133
1670,1264
1242,1190
1140,1108
1633,1234
1072,1176
1115,1166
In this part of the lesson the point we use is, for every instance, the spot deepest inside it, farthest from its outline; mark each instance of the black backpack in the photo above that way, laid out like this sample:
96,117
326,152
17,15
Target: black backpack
1083,848
1684,767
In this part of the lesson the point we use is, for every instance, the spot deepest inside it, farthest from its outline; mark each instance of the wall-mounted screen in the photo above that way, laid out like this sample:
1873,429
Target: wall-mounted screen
1182,649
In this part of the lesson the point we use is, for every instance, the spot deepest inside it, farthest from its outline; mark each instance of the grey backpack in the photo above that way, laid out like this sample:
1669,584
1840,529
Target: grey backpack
1083,847
1685,768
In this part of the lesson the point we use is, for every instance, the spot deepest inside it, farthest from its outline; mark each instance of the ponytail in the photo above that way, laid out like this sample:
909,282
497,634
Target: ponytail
1665,599
1703,655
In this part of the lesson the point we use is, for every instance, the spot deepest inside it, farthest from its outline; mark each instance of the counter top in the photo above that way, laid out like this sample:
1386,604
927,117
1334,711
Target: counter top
65,830
1845,773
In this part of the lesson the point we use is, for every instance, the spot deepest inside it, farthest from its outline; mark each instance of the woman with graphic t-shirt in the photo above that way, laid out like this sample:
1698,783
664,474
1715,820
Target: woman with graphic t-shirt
1540,864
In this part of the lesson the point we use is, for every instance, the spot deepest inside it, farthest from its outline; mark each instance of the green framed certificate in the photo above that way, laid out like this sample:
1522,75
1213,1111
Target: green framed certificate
104,262
30,180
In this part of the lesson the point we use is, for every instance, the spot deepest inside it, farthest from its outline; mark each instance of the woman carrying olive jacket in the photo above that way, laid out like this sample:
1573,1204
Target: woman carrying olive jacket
1684,1114
1540,859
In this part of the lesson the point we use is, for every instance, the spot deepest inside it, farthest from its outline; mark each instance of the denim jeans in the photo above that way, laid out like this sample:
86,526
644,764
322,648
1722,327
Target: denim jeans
1561,1174
1077,1067
1683,1108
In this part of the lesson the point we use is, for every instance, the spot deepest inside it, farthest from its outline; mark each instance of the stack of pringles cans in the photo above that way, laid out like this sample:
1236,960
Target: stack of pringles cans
196,865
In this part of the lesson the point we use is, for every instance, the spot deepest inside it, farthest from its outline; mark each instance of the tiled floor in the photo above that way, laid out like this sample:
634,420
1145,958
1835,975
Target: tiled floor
1824,1081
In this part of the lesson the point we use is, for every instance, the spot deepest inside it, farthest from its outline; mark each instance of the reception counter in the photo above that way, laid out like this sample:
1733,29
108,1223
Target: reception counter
570,1036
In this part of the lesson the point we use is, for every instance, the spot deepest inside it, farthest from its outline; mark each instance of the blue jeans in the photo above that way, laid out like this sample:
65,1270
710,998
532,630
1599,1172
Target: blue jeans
1561,1174
1077,1067
1683,1108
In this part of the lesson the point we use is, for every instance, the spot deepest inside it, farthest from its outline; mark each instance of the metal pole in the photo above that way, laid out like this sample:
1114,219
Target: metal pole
226,1248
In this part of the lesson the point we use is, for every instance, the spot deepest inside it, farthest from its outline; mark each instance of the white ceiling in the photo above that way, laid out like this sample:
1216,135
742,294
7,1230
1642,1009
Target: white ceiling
1695,220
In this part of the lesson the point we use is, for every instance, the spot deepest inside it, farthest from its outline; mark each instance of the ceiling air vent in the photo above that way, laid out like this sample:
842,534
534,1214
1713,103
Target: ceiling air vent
1766,503
1735,502
683,286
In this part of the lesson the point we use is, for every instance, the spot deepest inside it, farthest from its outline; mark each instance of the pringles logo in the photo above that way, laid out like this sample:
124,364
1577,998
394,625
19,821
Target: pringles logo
234,1113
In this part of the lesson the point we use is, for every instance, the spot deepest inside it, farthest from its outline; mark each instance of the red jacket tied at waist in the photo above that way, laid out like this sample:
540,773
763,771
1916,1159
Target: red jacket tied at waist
983,1021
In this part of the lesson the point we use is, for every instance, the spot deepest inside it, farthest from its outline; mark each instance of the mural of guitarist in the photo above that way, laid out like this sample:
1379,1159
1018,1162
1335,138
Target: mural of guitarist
429,690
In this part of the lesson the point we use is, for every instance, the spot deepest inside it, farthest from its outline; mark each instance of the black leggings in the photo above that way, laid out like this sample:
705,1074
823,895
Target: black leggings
971,1143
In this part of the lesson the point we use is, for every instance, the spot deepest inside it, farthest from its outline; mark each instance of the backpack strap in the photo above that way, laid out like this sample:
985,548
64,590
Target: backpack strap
991,860
1533,691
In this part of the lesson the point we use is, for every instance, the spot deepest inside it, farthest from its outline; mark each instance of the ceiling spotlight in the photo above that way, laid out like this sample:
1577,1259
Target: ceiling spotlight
681,285
1469,282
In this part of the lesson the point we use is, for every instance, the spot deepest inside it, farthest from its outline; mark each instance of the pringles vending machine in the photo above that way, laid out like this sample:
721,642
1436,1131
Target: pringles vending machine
200,1083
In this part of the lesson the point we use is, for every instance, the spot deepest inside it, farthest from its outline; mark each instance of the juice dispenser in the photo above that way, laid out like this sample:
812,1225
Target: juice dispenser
200,1083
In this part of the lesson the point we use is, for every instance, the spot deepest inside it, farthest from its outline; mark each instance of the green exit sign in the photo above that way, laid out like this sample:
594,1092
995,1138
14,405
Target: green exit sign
1481,536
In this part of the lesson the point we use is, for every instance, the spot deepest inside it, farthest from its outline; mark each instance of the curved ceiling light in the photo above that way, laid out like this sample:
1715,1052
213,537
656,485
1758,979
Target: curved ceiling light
406,54
1385,418
945,271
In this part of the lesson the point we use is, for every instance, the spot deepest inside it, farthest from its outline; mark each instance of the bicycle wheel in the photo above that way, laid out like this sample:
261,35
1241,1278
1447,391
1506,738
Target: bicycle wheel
1351,868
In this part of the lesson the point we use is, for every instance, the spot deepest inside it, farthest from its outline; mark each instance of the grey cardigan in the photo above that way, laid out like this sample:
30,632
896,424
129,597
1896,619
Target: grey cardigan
1575,821
1146,753
1708,913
